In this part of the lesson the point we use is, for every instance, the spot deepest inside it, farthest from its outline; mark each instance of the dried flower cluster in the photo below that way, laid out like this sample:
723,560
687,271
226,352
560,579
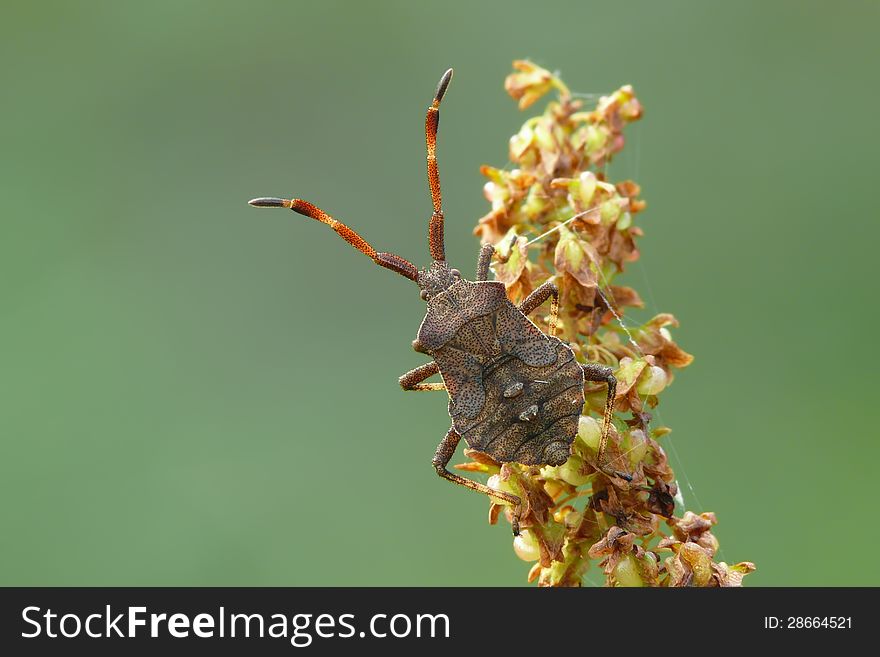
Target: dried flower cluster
575,513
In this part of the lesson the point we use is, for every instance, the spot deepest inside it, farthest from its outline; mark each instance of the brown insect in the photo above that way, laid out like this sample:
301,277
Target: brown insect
515,393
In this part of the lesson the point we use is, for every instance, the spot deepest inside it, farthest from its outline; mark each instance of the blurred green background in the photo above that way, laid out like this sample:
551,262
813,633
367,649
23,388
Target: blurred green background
198,393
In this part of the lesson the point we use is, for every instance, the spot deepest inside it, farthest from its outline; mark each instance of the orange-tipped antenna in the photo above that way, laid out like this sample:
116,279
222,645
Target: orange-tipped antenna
432,121
388,260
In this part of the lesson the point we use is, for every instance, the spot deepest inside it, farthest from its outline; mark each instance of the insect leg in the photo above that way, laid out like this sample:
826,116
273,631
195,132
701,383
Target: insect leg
388,260
484,261
432,121
412,380
603,373
444,453
539,296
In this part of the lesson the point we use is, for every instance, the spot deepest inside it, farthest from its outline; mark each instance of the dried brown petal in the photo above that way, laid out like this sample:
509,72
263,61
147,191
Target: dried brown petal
725,575
662,499
628,373
679,573
624,296
628,188
534,572
668,543
616,539
492,226
699,561
481,457
656,464
576,257
511,259
654,339
473,467
550,537
674,355
535,501
575,298
623,246
691,525
649,567
529,84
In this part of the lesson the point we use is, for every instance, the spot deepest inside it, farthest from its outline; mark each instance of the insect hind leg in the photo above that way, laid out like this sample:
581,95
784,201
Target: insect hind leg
444,453
603,373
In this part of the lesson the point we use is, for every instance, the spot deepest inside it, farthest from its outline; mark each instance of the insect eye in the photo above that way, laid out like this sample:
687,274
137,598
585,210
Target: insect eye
424,295
455,273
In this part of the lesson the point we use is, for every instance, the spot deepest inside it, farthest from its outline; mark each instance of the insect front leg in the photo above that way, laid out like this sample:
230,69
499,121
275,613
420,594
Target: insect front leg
412,380
444,453
538,297
603,373
485,259
483,262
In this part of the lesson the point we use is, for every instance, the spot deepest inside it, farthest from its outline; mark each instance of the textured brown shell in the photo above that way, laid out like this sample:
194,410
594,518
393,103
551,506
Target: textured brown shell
515,393
499,430
450,310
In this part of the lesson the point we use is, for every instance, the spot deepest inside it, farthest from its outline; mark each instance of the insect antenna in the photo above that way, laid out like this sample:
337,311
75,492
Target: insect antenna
432,122
388,260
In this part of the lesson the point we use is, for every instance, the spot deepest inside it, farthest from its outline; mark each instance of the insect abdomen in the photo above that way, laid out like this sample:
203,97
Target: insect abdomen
530,413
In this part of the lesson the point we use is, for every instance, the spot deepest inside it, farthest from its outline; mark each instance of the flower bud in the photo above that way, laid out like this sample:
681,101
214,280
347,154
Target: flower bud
571,471
637,446
544,138
497,483
495,194
587,182
595,139
610,211
526,546
520,146
573,520
589,432
651,381
626,572
535,203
